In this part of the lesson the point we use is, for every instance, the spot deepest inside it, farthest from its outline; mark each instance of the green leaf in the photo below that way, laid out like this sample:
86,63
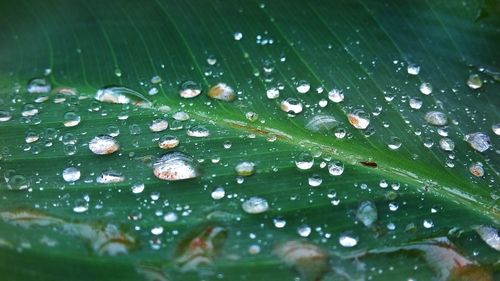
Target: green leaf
401,208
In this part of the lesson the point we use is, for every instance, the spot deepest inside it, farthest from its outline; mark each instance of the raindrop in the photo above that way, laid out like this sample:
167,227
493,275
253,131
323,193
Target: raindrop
181,116
494,127
273,93
291,106
315,180
255,205
303,87
415,103
29,110
245,169
321,123
252,116
340,133
428,224
38,86
223,92
367,213
446,144
110,176
71,119
71,174
336,95
336,168
348,240
359,119
279,222
426,88
158,125
174,166
476,169
479,141
120,95
170,217
394,143
17,182
218,193
157,230
5,116
137,187
237,36
474,81
189,89
103,144
168,142
80,206
304,161
211,60
155,79
304,230
413,69
436,118
198,131
31,137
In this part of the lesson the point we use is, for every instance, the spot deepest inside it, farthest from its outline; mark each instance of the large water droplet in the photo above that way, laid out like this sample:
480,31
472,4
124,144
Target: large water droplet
245,169
291,106
38,86
121,95
71,174
168,142
367,213
413,69
359,119
479,141
303,87
103,144
489,235
336,168
222,92
304,161
189,89
446,144
198,131
255,205
336,95
174,166
158,125
436,118
474,81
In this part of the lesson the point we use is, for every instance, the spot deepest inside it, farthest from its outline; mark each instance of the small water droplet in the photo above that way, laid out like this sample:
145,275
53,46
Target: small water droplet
237,36
223,92
80,206
156,79
348,240
71,119
198,131
394,143
359,119
158,125
189,89
137,187
157,230
272,93
476,169
446,144
174,166
5,116
255,205
304,230
110,176
426,88
315,180
415,103
436,118
218,193
428,223
279,222
291,106
168,142
303,87
336,168
304,161
474,82
38,86
245,169
413,69
367,213
336,95
479,141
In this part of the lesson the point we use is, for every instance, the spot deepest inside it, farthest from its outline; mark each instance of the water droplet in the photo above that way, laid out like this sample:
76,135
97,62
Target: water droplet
251,116
336,95
367,213
158,125
118,72
17,182
103,144
279,222
5,116
394,143
428,224
211,60
181,116
273,93
120,95
198,131
157,230
71,174
494,127
189,89
304,230
315,180
255,205
489,235
155,79
222,92
479,141
359,119
476,169
436,118
29,110
291,106
110,176
348,240
428,142
245,169
303,87
336,168
304,161
218,193
415,103
71,119
321,123
80,206
413,69
31,137
340,133
38,86
426,88
168,142
237,36
174,166
170,217
474,82
446,144
137,187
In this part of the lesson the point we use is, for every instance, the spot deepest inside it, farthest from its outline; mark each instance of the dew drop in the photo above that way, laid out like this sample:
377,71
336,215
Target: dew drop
110,176
158,125
223,92
71,119
137,187
5,116
38,86
495,127
446,144
103,144
255,205
476,169
291,106
157,230
237,36
304,230
359,119
336,95
71,174
436,118
303,87
315,180
413,69
245,169
474,82
174,166
168,142
478,141
394,143
218,193
279,222
198,131
425,88
80,206
428,223
189,89
336,168
272,93
120,95
367,213
415,103
304,161
348,240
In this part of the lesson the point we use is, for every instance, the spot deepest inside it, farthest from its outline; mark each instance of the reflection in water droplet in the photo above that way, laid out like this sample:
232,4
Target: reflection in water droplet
426,88
436,118
103,144
222,92
348,240
189,89
359,119
304,161
474,82
71,174
255,205
479,141
291,106
336,95
336,168
168,142
174,166
245,169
